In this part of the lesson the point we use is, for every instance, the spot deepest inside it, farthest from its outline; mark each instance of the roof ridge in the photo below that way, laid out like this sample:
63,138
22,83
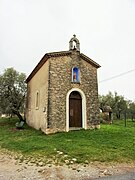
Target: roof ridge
57,54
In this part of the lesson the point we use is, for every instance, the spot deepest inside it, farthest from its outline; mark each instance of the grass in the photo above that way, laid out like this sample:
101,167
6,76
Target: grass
112,143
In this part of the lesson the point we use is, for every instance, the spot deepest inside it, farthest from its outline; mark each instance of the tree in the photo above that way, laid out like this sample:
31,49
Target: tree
131,110
106,104
12,92
117,103
120,105
106,100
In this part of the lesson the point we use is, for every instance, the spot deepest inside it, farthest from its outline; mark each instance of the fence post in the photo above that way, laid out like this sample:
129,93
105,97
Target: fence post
125,117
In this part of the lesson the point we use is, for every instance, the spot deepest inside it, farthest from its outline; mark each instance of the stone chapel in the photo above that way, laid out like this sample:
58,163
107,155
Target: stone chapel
62,92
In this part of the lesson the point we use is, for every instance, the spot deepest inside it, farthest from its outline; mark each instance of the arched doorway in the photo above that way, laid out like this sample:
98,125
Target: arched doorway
82,97
75,109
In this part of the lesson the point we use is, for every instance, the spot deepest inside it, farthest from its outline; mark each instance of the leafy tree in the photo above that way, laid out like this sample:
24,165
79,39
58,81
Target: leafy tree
120,105
131,110
117,103
106,104
106,100
12,92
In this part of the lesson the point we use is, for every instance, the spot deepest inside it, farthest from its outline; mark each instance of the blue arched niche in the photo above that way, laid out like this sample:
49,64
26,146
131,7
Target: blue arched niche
75,75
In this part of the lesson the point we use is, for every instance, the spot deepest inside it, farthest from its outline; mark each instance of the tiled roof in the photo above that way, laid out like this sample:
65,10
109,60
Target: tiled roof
57,54
86,58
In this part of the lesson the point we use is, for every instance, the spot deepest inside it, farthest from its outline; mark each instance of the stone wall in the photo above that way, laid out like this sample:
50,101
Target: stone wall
60,82
60,79
52,82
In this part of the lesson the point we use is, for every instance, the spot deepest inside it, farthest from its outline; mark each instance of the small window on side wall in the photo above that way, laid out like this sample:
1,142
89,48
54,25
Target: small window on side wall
75,75
37,100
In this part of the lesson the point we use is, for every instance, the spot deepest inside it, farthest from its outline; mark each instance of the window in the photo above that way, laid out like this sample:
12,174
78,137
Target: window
37,100
75,75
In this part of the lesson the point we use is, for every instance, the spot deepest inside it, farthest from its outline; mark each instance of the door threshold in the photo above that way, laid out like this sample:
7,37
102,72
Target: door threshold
75,128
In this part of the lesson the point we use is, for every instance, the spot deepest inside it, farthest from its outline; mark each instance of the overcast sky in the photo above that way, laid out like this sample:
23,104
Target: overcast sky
105,29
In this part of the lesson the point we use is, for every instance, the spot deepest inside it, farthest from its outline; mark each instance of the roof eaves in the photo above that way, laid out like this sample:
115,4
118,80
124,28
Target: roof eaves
44,59
89,60
38,66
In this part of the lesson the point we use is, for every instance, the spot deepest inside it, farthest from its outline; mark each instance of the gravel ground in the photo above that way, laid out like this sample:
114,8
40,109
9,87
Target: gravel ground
10,169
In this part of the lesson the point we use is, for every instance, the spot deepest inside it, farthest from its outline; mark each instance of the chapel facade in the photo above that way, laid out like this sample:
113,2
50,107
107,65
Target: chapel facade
62,92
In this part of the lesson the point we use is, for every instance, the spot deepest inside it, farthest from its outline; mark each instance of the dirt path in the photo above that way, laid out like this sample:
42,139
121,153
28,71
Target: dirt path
10,169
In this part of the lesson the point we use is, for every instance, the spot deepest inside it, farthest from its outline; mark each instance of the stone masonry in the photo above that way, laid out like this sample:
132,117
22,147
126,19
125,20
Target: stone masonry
59,83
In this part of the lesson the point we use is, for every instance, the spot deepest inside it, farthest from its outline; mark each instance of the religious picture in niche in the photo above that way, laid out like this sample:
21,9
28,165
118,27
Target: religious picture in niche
75,74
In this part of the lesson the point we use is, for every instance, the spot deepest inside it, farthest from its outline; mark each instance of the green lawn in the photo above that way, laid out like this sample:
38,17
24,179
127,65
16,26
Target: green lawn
112,143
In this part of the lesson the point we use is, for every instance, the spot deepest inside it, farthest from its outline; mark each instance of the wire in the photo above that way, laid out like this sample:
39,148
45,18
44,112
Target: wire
113,77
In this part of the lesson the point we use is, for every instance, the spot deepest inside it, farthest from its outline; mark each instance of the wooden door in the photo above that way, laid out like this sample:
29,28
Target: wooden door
75,110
